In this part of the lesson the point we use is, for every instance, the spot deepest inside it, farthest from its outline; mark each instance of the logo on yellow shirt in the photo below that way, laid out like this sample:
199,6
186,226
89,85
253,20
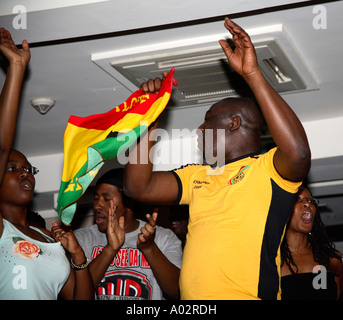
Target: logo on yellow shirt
239,177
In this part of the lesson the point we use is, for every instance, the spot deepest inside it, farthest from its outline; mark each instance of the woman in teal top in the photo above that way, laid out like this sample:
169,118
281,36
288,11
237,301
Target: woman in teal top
32,264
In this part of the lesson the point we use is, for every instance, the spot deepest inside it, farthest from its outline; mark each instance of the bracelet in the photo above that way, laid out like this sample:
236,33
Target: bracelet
78,267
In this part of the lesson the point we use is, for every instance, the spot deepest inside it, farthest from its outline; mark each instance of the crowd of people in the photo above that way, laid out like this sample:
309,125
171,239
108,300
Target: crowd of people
250,231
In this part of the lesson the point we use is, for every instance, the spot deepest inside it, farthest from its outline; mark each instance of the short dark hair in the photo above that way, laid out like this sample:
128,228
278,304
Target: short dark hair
115,177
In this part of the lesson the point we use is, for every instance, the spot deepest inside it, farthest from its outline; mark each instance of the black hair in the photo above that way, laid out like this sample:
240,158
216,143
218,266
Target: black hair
115,177
322,247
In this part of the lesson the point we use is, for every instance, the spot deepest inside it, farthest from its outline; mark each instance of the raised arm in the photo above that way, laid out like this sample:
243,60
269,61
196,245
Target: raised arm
10,94
293,157
140,182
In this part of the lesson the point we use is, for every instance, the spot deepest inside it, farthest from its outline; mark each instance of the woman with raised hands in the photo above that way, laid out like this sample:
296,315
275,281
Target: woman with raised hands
33,262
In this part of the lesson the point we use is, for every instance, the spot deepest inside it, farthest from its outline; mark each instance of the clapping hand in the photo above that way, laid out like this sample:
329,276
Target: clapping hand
115,228
147,235
67,239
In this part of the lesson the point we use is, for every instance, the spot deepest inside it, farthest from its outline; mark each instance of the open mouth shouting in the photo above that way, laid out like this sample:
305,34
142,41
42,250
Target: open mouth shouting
307,216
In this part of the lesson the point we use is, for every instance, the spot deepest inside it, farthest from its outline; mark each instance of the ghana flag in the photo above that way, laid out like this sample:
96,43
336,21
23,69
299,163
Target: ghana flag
90,141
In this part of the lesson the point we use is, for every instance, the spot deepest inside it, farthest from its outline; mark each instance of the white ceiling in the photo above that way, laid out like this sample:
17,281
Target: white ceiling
63,40
65,34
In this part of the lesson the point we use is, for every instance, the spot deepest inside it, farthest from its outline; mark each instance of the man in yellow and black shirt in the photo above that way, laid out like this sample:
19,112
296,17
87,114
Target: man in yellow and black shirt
240,204
237,219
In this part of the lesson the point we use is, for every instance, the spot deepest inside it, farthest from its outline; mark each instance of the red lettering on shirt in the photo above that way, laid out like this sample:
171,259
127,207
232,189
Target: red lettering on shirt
124,258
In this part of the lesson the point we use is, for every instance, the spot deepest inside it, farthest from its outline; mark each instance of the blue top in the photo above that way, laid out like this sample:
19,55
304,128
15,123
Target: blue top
30,269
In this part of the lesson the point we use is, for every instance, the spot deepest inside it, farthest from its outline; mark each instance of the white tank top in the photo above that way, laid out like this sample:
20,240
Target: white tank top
30,269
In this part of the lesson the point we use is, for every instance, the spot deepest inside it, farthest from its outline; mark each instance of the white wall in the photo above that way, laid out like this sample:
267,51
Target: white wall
325,137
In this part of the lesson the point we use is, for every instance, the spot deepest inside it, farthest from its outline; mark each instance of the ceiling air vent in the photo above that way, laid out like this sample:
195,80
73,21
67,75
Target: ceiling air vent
202,70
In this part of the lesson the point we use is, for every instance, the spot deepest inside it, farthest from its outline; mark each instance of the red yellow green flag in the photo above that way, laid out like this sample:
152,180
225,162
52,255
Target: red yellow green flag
90,141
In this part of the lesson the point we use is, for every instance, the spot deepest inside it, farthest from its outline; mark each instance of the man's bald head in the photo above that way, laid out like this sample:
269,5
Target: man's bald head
245,108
